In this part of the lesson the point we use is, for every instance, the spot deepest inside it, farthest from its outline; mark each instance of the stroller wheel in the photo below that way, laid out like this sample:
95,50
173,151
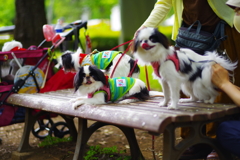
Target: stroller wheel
41,128
60,130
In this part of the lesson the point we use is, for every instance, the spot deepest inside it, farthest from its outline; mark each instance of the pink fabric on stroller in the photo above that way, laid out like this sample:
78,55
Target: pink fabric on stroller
54,83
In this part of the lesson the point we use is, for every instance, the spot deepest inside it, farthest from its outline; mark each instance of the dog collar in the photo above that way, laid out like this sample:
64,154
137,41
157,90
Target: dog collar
173,58
105,89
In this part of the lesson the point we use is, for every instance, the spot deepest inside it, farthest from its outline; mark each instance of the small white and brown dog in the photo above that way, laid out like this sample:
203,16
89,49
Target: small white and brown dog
91,81
178,69
105,60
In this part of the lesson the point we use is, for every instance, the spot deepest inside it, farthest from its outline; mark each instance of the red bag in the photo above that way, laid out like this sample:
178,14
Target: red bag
60,80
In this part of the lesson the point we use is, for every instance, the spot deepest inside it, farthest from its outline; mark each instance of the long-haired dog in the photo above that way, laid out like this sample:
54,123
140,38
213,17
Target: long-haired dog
105,60
178,69
92,82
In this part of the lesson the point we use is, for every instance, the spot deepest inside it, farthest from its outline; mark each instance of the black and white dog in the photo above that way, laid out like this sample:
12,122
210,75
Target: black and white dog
92,82
105,60
178,69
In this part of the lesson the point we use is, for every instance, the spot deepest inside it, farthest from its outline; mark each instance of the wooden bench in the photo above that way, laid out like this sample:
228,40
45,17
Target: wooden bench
145,115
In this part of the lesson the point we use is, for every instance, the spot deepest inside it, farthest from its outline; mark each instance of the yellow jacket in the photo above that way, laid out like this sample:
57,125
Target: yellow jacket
162,7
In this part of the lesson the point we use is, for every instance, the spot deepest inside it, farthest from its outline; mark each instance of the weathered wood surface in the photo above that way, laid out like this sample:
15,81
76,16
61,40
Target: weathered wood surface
145,115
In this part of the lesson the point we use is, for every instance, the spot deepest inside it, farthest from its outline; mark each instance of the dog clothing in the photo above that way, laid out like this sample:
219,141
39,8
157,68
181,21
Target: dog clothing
116,89
173,58
100,59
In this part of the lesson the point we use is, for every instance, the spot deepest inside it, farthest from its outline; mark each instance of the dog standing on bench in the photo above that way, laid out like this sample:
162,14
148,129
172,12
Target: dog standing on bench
178,69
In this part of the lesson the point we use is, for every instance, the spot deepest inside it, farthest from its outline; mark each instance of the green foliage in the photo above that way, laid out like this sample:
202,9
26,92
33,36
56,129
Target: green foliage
167,31
68,10
96,152
49,141
2,41
7,13
72,10
102,37
100,9
153,83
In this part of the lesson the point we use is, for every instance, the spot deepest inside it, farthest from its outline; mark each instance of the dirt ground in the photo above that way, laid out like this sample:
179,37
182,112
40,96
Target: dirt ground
107,136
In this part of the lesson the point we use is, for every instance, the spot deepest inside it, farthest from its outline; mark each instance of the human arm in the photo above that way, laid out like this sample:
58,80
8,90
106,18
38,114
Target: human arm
220,78
159,12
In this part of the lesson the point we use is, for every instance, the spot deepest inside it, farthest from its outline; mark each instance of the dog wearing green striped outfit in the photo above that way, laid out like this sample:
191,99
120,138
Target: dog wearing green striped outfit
91,81
114,63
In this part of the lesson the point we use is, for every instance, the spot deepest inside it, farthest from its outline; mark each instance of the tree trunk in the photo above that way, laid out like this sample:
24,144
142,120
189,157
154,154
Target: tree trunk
133,14
30,18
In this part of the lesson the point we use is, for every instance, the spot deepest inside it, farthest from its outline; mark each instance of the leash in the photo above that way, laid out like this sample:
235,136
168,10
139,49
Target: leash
121,55
130,74
147,80
153,137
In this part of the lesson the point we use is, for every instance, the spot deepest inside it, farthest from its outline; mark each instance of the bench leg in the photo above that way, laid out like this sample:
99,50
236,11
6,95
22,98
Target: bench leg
71,126
82,127
85,133
29,121
173,152
136,153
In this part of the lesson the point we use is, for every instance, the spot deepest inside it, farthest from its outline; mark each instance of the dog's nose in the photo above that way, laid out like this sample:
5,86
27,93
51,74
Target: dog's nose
145,41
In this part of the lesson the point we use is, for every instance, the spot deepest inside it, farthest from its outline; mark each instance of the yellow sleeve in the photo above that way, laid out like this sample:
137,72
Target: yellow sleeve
222,10
159,12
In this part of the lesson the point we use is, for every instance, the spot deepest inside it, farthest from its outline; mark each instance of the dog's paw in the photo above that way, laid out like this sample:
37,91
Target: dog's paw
162,104
171,107
74,106
209,101
77,104
73,100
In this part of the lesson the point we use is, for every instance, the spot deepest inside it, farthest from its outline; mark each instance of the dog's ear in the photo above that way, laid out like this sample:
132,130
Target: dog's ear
161,38
135,45
97,74
67,61
78,78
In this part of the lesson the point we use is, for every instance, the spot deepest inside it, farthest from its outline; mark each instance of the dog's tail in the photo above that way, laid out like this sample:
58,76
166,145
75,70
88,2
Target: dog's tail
226,63
79,50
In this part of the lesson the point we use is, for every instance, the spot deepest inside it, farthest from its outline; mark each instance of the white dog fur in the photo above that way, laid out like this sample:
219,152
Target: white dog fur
193,76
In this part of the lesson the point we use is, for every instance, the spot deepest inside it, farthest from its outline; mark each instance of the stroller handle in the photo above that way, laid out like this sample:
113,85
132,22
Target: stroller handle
76,24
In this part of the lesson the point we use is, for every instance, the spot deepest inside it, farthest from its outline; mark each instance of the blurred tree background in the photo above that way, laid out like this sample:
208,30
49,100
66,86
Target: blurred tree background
70,10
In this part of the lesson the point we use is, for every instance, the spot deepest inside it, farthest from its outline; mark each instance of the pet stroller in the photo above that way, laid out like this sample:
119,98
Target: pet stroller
36,61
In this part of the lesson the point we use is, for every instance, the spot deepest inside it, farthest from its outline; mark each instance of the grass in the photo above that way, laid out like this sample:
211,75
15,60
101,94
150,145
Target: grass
49,141
106,153
93,153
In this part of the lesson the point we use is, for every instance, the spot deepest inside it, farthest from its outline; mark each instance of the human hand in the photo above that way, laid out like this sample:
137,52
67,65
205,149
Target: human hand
136,33
131,44
219,75
237,11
